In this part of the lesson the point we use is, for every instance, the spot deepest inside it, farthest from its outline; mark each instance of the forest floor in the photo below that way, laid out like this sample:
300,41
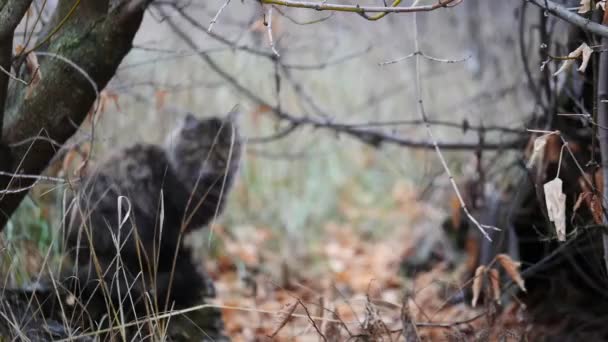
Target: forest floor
351,284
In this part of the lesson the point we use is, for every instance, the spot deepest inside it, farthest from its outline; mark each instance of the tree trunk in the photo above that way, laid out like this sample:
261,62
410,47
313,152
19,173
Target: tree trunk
602,117
95,40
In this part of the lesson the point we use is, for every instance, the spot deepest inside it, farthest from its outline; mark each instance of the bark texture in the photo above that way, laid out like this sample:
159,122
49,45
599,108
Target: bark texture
93,37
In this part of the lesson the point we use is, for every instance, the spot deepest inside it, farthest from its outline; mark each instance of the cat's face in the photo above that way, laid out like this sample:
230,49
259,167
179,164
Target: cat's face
210,145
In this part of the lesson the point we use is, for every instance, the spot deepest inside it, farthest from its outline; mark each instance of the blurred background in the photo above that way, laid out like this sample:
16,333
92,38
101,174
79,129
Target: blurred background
308,203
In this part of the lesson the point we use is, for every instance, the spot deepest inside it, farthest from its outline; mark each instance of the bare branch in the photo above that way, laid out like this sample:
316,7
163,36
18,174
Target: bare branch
571,17
368,136
323,6
421,112
217,15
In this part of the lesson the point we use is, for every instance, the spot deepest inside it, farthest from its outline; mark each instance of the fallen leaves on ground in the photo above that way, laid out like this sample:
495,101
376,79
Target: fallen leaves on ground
348,284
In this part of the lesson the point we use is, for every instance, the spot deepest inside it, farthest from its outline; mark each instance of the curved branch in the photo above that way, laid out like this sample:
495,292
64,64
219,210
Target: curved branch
368,136
571,17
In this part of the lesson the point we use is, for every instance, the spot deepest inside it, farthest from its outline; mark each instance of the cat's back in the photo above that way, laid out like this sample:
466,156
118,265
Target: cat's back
136,173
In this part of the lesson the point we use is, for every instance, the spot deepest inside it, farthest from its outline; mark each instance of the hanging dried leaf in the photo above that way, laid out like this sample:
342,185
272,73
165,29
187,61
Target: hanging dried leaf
565,66
478,283
553,149
583,52
495,281
596,209
556,206
581,197
511,267
598,178
538,150
585,6
587,51
33,68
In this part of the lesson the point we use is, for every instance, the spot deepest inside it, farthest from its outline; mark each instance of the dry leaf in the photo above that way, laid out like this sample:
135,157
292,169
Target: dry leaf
495,281
596,209
556,206
583,51
478,283
587,51
585,6
104,97
582,196
565,65
538,151
33,67
511,267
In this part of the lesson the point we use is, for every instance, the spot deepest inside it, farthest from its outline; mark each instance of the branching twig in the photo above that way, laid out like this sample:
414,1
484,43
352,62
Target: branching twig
217,15
422,114
431,58
270,39
366,135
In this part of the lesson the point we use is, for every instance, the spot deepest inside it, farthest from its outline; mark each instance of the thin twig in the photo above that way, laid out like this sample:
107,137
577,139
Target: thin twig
320,6
422,114
217,15
430,58
11,76
270,39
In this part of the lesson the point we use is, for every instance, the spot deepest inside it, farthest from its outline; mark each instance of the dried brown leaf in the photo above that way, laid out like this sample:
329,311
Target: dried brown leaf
565,66
511,267
33,67
585,6
581,197
556,206
478,283
587,51
583,52
495,281
538,150
596,209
